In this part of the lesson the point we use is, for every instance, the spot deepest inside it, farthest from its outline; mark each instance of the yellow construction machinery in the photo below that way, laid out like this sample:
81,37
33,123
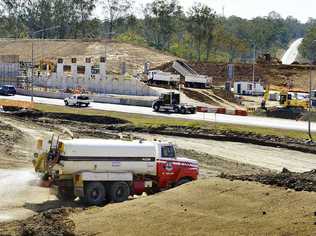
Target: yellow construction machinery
287,100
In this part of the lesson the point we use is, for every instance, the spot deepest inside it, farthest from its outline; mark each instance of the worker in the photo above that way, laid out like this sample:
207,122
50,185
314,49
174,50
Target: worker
263,104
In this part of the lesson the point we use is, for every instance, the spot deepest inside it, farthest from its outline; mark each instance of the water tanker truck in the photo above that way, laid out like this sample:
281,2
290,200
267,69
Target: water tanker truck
99,171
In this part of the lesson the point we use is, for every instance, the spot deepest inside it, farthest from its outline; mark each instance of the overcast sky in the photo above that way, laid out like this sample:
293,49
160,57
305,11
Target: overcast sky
300,9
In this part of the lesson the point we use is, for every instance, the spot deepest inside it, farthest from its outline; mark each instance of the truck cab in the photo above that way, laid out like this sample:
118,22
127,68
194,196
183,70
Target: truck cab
170,102
99,171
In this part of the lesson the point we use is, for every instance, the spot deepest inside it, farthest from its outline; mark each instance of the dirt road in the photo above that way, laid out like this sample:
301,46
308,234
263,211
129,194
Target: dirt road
266,157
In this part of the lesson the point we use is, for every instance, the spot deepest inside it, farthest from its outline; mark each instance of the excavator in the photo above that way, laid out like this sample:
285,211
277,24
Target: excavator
287,100
290,107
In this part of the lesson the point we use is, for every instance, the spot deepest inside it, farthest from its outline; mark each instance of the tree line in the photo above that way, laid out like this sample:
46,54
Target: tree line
196,34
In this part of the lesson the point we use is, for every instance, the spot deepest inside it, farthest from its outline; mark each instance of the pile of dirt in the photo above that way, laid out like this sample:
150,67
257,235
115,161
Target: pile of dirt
53,222
8,137
233,208
59,118
291,180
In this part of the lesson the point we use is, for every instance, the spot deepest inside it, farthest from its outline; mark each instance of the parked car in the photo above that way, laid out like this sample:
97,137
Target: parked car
7,90
77,100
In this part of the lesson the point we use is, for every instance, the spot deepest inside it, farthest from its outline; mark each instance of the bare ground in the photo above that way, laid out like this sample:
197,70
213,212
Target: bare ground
233,208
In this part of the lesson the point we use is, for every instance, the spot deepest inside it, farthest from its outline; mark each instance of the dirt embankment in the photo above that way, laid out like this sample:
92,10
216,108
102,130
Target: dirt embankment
278,75
11,147
232,207
291,180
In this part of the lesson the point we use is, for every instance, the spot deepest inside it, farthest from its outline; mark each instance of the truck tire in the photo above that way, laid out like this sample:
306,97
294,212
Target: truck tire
94,193
183,110
65,194
119,192
66,103
156,108
182,181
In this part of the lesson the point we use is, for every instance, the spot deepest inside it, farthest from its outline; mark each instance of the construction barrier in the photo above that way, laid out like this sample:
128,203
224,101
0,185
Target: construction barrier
19,104
222,110
241,113
202,109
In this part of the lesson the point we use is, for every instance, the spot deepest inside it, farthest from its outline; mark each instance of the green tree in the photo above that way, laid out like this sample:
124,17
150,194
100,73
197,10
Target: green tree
115,10
161,22
201,22
308,47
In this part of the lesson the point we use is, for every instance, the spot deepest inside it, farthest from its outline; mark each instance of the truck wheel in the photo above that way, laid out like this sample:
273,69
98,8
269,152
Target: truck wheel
95,193
183,110
65,194
182,181
156,107
119,192
193,111
66,103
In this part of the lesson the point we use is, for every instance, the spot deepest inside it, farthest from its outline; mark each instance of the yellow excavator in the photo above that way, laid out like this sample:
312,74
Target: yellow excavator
287,100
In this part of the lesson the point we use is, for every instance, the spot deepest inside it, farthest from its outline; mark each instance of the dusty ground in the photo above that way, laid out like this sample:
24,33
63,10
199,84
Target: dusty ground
234,208
134,56
209,207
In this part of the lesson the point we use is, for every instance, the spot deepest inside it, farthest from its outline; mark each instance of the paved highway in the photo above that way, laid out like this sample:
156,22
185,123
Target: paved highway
220,118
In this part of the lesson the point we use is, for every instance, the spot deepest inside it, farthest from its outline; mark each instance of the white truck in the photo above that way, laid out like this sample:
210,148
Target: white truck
99,171
157,76
198,81
77,100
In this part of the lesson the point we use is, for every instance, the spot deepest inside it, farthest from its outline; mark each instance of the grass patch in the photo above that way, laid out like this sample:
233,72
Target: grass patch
144,121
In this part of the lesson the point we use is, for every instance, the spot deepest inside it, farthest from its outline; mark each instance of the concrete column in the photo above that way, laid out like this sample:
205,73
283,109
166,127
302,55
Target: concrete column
60,73
74,73
102,68
74,69
88,66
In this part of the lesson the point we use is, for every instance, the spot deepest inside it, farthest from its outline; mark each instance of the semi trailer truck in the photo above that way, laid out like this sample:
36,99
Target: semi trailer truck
170,102
99,171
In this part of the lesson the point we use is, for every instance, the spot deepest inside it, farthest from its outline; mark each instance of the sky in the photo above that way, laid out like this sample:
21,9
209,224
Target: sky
300,9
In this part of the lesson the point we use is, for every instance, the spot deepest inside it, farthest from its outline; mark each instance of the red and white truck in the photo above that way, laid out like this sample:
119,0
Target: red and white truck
99,171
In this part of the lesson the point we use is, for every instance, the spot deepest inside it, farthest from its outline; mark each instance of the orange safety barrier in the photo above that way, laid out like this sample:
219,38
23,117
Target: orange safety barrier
241,113
221,110
202,109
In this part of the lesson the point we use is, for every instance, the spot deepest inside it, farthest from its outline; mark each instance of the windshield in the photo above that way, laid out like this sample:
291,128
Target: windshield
168,152
83,97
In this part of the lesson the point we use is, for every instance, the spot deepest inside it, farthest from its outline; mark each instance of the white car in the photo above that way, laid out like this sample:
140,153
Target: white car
77,100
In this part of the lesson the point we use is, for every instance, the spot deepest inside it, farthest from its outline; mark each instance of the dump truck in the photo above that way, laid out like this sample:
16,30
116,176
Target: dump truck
170,102
99,171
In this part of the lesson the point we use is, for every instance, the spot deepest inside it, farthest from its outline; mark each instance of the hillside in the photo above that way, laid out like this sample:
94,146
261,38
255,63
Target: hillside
134,56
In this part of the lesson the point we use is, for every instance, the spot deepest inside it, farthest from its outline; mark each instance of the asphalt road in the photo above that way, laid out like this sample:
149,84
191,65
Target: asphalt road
220,118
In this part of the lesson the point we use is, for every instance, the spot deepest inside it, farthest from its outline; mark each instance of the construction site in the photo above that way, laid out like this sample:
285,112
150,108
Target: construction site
162,146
